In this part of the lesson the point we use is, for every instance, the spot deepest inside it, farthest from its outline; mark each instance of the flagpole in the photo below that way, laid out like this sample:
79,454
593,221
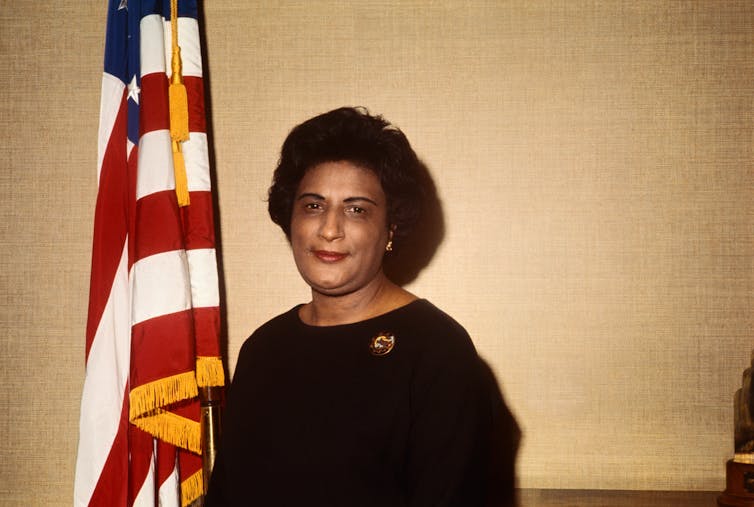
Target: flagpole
211,400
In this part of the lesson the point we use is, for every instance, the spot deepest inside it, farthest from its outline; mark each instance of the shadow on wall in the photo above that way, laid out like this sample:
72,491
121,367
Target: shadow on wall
417,250
404,266
504,440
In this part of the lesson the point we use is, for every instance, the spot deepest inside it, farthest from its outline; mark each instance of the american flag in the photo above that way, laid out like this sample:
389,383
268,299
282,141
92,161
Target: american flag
152,336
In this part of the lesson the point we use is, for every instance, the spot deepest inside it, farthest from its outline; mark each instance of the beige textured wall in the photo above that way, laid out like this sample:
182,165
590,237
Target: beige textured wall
595,164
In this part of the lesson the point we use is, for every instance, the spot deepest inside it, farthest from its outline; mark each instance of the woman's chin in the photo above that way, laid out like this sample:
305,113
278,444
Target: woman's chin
335,286
333,290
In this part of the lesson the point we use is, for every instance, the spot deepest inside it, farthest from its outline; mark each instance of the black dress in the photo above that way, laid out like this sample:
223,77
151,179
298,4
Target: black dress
315,417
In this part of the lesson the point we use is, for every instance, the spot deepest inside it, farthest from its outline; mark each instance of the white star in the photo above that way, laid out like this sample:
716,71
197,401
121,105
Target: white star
133,90
123,5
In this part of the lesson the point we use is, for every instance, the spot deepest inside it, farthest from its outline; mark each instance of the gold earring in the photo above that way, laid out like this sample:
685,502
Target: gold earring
389,246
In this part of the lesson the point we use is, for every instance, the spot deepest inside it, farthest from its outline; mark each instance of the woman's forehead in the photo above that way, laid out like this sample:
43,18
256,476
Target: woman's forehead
341,180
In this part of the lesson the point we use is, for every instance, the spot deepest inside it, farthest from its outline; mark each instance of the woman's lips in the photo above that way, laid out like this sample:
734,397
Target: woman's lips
327,256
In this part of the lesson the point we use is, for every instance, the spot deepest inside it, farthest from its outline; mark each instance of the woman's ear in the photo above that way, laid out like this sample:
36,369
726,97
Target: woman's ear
390,233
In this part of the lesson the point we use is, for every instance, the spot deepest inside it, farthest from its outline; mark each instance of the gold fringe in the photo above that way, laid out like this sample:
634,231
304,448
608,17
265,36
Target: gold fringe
209,371
192,488
181,180
145,412
148,397
172,428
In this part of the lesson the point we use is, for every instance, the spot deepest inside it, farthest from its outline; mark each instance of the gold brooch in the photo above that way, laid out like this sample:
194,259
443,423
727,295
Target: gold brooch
382,344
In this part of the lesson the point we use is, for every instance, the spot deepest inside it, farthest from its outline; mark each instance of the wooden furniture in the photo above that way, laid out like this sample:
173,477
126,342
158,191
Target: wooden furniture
739,487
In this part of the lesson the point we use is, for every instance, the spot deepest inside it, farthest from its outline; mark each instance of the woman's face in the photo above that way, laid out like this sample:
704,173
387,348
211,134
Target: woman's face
339,228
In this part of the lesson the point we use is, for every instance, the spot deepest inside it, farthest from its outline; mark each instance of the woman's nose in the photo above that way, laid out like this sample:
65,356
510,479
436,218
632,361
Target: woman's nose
332,225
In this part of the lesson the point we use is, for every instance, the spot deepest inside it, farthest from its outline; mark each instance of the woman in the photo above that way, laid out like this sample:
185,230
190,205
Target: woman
366,395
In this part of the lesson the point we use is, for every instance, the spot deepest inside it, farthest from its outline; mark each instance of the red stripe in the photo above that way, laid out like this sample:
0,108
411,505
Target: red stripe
162,347
133,171
198,222
141,446
155,111
158,223
111,489
195,94
110,223
189,464
207,331
166,456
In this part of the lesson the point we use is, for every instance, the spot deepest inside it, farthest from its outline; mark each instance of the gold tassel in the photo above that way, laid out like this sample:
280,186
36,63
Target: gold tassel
192,488
179,129
178,101
181,180
209,371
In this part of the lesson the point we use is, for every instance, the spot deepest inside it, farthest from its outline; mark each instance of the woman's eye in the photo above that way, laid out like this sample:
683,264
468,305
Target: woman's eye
312,206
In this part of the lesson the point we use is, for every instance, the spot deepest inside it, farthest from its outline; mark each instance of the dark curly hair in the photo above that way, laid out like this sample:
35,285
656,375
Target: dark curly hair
352,135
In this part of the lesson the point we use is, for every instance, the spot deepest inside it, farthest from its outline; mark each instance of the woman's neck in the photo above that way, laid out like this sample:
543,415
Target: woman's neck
378,297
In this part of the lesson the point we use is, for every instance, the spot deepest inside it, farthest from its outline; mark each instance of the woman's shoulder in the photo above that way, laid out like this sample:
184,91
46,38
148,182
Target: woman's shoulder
432,332
279,326
423,314
430,314
284,321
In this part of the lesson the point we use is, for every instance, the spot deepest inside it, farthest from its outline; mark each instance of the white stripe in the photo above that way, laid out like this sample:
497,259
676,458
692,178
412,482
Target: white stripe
196,157
152,44
155,164
169,494
160,285
112,92
204,285
191,50
145,496
104,386
189,42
